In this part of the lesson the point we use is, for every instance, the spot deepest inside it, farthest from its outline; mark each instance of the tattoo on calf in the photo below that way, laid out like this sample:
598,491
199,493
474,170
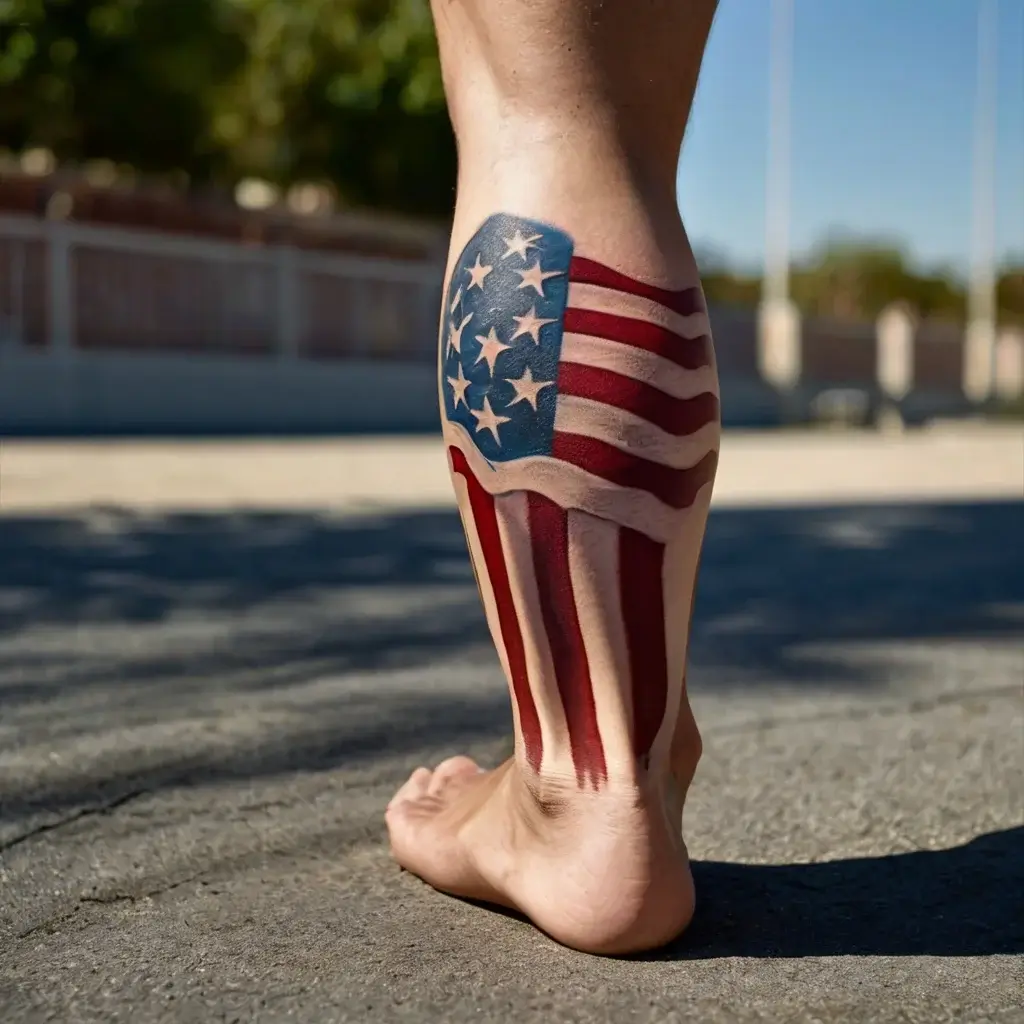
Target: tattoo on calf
580,408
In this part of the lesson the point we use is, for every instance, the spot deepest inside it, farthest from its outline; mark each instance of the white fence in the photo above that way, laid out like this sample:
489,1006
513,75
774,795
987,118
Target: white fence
106,328
77,286
115,329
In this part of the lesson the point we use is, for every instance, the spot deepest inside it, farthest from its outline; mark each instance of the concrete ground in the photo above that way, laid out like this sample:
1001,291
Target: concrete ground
218,660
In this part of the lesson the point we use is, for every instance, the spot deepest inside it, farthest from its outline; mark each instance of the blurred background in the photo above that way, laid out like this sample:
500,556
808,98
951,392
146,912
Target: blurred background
220,655
230,215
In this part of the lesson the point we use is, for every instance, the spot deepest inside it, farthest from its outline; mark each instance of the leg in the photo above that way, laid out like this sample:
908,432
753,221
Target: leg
580,412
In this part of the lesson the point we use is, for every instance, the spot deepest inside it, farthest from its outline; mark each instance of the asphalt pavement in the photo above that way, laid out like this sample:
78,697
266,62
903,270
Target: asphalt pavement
218,660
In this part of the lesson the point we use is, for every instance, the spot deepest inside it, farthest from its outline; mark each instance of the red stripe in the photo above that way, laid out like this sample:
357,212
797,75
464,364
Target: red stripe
684,300
486,520
689,353
642,591
678,416
675,487
549,536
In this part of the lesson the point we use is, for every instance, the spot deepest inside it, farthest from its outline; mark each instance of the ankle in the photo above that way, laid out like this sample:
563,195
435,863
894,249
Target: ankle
629,788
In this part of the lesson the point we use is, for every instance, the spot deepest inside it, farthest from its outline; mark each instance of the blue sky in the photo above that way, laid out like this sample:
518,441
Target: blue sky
882,133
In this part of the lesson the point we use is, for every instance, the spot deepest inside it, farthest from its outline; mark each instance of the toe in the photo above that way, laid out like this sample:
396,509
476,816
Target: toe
451,770
413,788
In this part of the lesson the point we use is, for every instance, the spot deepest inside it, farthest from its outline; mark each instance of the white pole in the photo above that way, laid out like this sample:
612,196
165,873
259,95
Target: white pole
779,342
981,304
776,244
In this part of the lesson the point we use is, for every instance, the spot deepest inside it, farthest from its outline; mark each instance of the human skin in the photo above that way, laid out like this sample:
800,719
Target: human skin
580,411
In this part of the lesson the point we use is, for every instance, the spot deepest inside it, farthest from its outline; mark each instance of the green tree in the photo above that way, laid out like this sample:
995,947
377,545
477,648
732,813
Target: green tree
345,91
133,81
854,278
849,278
1010,292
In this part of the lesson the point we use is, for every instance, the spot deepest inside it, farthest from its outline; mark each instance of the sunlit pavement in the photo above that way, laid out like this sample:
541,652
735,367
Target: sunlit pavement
218,659
956,461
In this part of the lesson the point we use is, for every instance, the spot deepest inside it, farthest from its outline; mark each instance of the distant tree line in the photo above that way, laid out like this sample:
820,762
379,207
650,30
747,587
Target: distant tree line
850,278
346,92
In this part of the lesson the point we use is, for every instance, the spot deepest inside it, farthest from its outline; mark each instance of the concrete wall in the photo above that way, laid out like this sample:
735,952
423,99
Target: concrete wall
149,393
118,392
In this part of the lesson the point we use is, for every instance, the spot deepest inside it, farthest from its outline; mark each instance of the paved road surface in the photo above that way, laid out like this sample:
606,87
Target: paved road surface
217,661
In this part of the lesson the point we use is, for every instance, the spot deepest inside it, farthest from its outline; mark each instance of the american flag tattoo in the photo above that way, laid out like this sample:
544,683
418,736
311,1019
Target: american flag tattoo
581,419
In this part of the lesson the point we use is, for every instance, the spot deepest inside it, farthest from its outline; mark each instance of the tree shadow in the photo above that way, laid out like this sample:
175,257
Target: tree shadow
775,580
965,901
349,730
100,613
403,590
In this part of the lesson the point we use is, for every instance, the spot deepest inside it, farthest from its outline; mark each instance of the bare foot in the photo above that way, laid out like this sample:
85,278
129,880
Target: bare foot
604,872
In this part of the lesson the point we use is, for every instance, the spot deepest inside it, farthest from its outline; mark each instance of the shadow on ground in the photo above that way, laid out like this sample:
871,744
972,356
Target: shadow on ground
110,619
965,901
403,592
99,614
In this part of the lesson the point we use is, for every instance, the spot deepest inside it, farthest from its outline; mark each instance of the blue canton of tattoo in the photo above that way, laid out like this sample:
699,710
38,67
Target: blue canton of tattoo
502,336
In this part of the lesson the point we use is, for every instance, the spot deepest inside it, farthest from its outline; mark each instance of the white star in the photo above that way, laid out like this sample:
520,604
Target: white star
535,277
517,245
490,348
488,419
530,324
477,274
527,388
459,385
455,301
455,334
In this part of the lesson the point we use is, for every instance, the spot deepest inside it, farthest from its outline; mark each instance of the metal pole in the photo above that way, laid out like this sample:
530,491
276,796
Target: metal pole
981,304
776,247
779,354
